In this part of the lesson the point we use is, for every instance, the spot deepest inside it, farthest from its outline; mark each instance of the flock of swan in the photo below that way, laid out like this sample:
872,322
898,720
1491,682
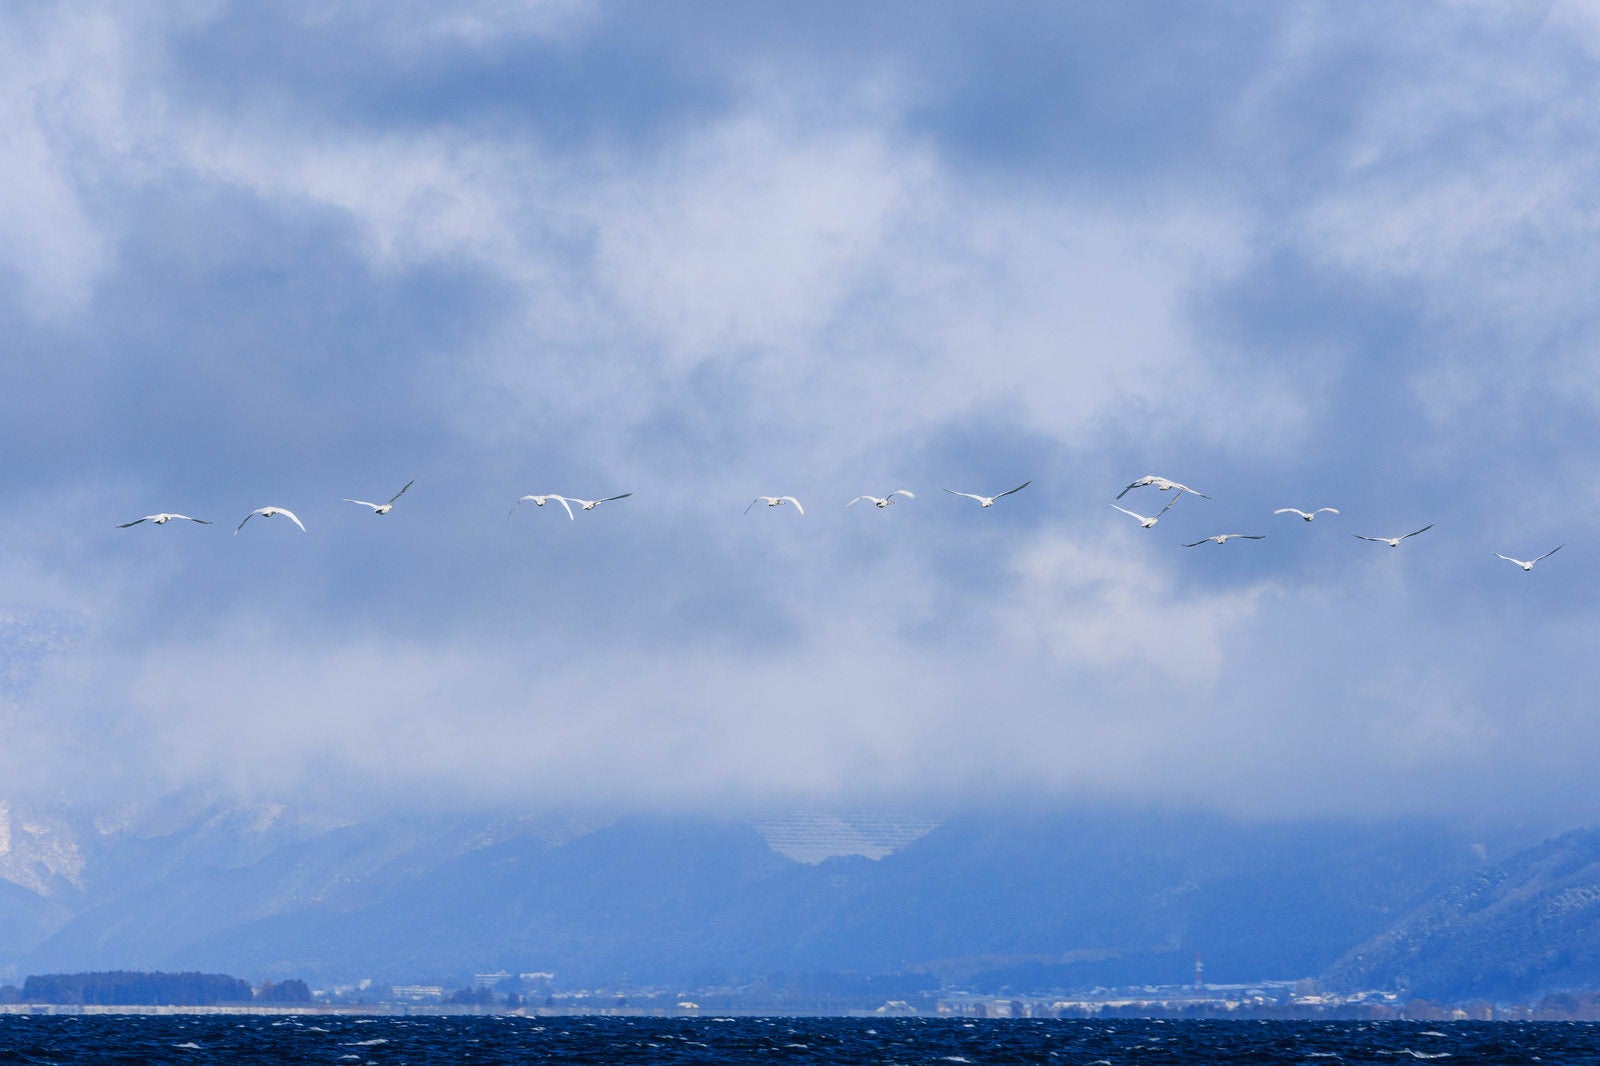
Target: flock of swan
1181,490
1178,489
564,501
1166,485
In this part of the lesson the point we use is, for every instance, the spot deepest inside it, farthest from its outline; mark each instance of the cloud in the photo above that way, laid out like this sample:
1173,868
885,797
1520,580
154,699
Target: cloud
56,84
1286,264
1110,606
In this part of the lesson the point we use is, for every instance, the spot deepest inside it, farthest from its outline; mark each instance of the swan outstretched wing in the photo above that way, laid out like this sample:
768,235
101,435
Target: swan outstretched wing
1148,479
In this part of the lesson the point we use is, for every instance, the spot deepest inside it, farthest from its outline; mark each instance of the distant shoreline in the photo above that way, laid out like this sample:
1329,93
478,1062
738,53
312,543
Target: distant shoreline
400,1010
393,1010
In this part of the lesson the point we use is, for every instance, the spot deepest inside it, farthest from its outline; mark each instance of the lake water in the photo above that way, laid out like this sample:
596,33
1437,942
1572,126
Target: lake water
509,1039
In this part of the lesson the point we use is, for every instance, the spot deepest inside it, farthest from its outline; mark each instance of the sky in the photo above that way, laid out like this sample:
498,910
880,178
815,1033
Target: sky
1290,254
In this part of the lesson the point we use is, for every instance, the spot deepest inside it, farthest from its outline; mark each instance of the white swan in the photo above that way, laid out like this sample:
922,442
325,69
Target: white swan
540,501
884,501
1307,515
988,501
1527,564
777,501
1161,483
161,520
383,508
589,505
1223,538
269,512
1393,542
1150,522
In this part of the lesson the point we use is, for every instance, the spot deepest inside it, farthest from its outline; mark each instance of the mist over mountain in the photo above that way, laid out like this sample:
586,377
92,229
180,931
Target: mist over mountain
986,899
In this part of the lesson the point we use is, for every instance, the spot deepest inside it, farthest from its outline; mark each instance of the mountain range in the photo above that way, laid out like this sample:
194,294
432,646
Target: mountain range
988,900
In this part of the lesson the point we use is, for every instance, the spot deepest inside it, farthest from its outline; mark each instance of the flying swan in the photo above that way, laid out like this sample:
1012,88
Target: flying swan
777,501
161,520
988,501
1223,538
540,501
383,508
1149,522
1161,483
269,512
1527,564
1393,542
883,501
589,505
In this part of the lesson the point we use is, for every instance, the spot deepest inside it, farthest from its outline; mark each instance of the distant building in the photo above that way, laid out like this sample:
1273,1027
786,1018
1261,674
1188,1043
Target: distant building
417,992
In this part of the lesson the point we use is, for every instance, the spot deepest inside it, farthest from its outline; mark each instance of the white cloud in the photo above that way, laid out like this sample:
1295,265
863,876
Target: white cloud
1110,604
59,87
1463,187
841,275
1422,716
416,27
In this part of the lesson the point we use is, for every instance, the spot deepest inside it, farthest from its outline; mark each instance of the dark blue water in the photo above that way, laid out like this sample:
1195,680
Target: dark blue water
344,1039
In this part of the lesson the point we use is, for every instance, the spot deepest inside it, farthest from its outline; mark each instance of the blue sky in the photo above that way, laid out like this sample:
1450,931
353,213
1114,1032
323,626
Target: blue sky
1291,254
